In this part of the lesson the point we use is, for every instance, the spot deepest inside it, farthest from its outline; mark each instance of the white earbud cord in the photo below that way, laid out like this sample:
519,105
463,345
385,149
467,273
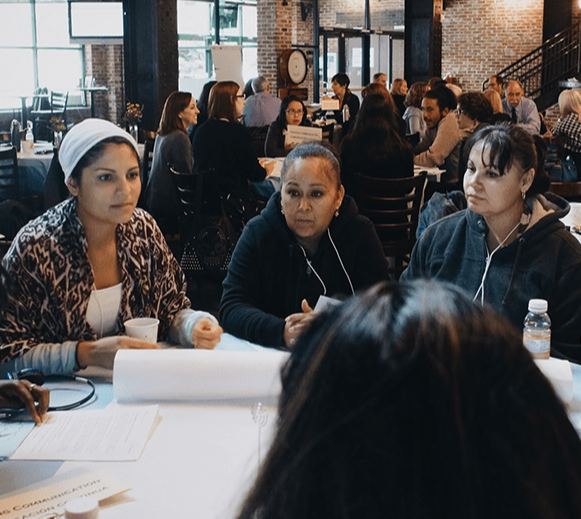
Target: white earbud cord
489,261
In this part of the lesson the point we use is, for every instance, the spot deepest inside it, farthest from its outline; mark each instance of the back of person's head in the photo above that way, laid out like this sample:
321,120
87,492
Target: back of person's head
509,144
375,131
205,95
412,401
476,106
435,81
444,97
416,94
456,89
377,77
378,88
248,91
341,79
260,84
284,107
499,80
570,102
495,101
170,121
221,104
313,150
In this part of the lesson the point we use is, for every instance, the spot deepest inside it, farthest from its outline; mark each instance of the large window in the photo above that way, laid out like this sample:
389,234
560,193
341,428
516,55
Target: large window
197,33
35,49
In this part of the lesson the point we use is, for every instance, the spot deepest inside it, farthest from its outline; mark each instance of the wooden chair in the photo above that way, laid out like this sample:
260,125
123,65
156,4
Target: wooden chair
145,168
9,177
41,118
393,205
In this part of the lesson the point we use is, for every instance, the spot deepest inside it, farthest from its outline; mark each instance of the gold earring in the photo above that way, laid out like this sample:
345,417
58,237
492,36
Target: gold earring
524,195
336,212
281,210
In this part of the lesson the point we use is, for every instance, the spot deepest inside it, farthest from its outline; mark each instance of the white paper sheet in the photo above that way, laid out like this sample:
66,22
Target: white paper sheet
559,373
51,498
114,434
298,134
195,375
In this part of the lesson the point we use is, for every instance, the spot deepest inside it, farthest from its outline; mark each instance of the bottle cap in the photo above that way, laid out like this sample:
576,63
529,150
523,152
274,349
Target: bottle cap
82,508
538,306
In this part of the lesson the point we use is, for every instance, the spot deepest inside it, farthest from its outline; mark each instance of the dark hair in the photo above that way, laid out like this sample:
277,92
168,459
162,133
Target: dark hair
248,91
313,150
176,103
508,144
499,79
341,79
377,76
95,153
444,96
283,108
412,401
416,94
377,88
375,134
476,106
222,100
205,95
436,81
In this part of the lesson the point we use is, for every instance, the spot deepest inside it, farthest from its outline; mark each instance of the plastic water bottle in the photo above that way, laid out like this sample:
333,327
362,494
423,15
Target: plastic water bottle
15,134
29,144
346,114
537,329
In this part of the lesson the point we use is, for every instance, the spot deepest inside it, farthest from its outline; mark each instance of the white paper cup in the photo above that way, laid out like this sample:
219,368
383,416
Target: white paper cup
143,328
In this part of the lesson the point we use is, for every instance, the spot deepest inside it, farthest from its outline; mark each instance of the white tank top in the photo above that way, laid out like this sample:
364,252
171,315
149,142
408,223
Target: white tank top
103,310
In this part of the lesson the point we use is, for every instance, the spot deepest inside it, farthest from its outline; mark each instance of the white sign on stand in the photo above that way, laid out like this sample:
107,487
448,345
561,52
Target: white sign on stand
228,63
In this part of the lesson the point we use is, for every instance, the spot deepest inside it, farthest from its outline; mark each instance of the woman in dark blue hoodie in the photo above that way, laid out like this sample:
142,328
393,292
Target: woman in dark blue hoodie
308,242
509,246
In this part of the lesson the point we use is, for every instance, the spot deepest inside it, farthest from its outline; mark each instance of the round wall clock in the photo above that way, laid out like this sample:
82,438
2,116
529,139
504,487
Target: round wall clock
293,66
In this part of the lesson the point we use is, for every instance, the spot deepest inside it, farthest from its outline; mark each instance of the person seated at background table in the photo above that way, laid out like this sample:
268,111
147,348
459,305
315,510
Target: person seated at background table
509,245
340,85
410,401
473,112
172,147
292,113
222,143
399,89
202,106
440,144
377,88
374,147
380,78
413,116
520,109
262,108
309,241
569,125
498,115
84,267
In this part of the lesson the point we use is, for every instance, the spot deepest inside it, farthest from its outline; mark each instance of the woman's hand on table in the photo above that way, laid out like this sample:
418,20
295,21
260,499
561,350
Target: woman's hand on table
102,351
206,334
16,394
295,324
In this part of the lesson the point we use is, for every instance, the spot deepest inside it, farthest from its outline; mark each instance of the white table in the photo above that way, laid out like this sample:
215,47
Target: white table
33,167
434,173
573,219
198,463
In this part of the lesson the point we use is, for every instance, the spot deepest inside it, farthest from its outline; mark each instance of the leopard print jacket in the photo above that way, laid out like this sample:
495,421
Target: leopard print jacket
51,278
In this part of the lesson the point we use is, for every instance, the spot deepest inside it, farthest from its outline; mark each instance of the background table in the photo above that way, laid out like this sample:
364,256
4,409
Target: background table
33,168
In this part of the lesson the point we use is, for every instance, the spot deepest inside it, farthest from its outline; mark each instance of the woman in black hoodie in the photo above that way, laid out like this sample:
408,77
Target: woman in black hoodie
308,242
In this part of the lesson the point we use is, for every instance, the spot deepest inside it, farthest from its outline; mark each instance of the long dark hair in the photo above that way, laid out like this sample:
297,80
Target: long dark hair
283,108
175,103
374,134
508,143
412,401
222,100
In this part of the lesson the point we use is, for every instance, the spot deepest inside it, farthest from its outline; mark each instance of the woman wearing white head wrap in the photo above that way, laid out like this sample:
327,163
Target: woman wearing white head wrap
92,262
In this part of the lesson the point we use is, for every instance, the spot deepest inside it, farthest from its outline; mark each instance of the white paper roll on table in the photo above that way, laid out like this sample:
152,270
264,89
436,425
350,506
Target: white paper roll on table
180,375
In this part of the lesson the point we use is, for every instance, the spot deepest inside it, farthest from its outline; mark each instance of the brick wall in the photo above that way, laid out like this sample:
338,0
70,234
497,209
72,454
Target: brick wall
479,38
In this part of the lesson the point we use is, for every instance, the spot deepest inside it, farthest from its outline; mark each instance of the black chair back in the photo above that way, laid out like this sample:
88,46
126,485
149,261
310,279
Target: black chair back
393,205
145,168
9,178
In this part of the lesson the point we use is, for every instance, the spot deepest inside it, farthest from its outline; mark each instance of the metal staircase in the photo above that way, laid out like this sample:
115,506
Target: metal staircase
540,71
